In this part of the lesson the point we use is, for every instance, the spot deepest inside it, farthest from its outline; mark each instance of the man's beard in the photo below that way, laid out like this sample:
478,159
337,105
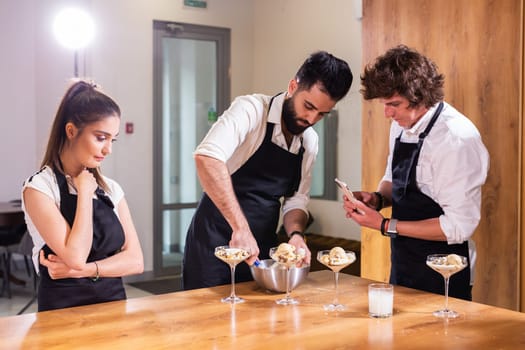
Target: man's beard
290,118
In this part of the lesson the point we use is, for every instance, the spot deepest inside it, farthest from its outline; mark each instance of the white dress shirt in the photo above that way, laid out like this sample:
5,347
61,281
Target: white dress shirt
240,130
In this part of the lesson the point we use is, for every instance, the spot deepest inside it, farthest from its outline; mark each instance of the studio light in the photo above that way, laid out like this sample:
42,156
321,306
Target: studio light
74,29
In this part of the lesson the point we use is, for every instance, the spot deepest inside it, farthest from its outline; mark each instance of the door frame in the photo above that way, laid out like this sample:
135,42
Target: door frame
164,29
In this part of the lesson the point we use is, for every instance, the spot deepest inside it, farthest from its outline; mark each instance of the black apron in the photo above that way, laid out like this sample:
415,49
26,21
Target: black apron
108,239
408,255
271,173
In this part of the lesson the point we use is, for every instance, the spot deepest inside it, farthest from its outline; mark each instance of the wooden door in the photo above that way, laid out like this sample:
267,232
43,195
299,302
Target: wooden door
478,46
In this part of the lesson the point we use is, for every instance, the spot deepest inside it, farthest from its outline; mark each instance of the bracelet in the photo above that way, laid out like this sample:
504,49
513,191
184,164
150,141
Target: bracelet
298,233
383,225
381,203
96,278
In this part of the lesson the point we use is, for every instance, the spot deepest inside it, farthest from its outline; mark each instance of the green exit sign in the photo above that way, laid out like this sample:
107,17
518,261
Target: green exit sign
195,3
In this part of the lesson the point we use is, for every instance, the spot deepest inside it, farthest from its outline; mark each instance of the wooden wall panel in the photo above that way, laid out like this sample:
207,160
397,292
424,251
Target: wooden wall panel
522,172
477,45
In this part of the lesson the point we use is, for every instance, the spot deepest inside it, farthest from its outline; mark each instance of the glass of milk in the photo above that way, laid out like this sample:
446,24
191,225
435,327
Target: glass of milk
380,300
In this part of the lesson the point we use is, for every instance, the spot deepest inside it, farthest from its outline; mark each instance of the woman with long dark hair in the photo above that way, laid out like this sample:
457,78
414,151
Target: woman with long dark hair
84,237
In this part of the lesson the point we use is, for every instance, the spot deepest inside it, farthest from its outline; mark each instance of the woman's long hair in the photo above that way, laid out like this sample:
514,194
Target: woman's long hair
81,105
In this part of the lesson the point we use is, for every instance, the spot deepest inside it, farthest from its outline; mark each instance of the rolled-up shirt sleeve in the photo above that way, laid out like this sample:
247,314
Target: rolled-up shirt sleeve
461,167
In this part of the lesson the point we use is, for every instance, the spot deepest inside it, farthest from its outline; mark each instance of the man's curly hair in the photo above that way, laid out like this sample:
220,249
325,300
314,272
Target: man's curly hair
406,72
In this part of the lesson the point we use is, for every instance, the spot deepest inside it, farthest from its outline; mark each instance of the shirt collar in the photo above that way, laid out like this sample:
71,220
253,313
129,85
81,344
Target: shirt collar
274,116
422,123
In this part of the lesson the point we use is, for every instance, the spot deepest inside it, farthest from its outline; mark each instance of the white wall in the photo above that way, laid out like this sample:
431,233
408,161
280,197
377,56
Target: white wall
36,69
17,96
270,39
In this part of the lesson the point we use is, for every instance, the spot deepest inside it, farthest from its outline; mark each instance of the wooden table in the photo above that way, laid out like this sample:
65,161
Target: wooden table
11,214
198,320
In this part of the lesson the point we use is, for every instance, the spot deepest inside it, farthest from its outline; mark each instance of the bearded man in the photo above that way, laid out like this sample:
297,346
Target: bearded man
258,154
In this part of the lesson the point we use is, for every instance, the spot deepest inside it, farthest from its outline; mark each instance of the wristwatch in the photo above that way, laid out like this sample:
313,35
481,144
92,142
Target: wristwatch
391,230
298,233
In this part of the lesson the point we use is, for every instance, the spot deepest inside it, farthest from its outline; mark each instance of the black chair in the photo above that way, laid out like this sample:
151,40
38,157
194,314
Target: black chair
9,238
25,248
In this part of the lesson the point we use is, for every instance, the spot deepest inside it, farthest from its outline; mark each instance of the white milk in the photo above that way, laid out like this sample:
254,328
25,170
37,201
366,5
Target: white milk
380,299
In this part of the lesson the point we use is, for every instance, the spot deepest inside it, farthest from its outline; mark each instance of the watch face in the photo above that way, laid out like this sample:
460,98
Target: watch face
392,227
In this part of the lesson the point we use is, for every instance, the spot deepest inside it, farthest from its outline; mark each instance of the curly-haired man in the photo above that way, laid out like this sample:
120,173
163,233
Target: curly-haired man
436,166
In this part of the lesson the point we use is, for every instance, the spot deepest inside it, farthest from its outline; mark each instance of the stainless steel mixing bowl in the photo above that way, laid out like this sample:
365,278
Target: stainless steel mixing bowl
272,276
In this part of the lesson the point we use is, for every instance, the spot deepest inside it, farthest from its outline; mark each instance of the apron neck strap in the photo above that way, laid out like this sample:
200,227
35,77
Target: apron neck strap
432,121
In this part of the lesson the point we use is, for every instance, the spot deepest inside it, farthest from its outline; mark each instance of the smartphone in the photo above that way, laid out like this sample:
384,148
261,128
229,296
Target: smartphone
344,187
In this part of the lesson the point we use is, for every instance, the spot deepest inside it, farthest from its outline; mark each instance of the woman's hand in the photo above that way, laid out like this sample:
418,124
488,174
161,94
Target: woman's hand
85,182
57,269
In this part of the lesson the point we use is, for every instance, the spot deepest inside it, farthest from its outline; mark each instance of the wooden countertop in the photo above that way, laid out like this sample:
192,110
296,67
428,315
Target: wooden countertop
198,320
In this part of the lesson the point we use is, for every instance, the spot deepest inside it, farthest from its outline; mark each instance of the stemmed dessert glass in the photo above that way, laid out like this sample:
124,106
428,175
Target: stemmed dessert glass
323,256
287,300
446,267
232,256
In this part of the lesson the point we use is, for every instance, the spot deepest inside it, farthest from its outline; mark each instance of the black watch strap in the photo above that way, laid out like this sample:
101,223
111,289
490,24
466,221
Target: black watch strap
298,233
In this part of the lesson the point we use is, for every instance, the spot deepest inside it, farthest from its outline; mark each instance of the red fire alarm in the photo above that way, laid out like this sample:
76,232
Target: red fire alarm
129,128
